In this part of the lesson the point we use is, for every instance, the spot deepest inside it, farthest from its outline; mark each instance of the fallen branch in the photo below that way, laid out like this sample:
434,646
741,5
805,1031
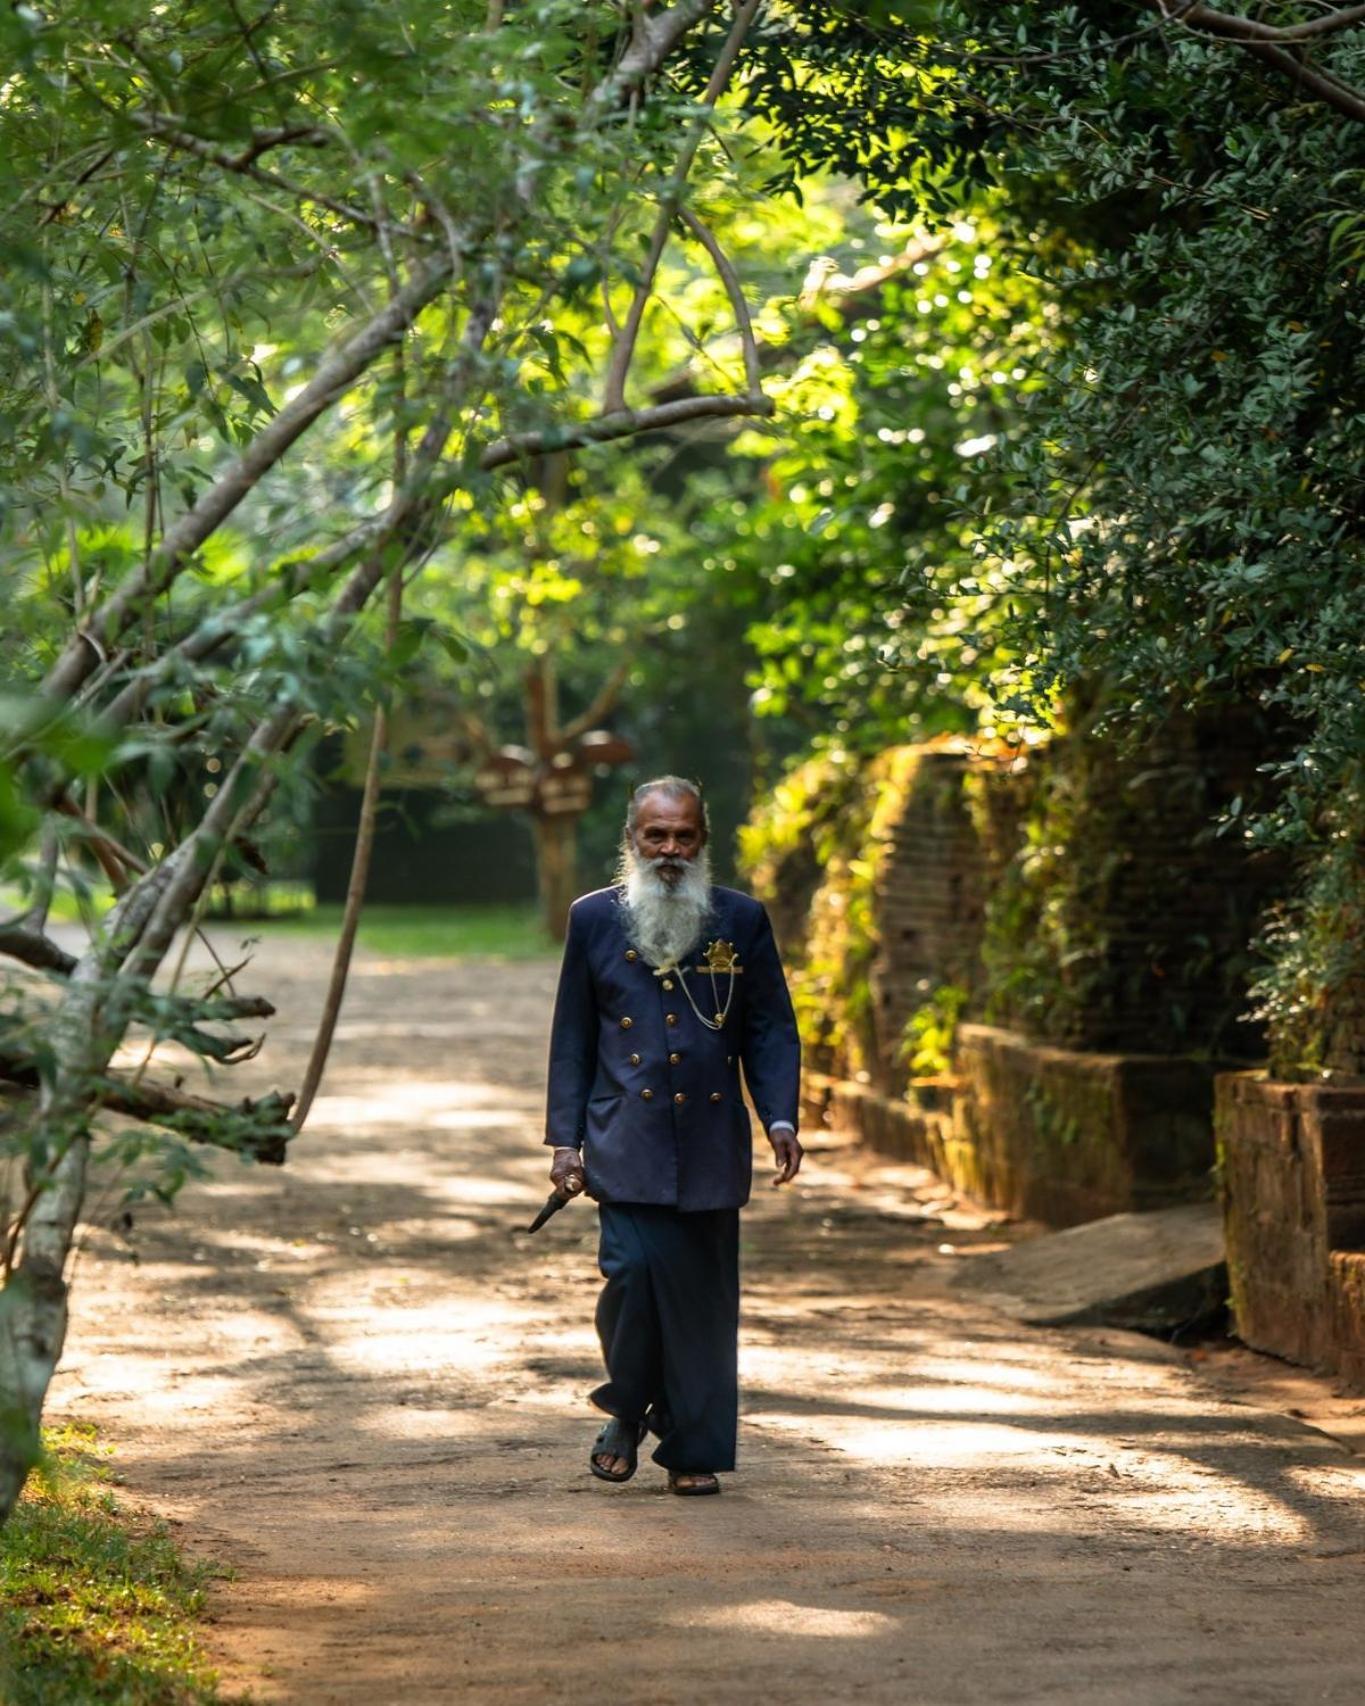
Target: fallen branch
260,1129
32,948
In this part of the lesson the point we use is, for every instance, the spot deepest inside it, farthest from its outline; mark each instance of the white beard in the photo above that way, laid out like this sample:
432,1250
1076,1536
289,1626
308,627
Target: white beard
665,922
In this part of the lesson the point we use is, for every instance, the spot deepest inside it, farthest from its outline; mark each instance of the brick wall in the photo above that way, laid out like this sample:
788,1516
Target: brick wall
933,874
1292,1160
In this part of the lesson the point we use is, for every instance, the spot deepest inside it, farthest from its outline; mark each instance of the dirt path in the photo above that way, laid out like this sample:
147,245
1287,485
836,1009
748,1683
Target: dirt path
350,1381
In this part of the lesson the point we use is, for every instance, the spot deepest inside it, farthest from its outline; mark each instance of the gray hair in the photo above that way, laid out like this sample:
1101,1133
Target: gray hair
676,788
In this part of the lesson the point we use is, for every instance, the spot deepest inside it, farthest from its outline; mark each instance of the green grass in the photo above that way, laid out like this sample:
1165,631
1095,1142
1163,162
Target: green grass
96,1608
510,932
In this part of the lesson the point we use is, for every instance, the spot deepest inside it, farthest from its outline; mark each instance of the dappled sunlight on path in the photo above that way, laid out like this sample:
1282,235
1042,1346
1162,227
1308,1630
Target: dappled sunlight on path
361,1384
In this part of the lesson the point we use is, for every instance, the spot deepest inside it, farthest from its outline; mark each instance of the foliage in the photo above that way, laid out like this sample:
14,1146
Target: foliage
1310,993
931,1032
1172,517
813,850
97,1608
300,309
901,368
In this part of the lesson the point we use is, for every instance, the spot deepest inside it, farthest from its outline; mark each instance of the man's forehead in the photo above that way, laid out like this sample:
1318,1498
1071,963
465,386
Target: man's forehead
662,805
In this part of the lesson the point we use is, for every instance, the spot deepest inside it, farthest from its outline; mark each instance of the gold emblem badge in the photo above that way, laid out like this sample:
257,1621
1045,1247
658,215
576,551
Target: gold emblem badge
720,956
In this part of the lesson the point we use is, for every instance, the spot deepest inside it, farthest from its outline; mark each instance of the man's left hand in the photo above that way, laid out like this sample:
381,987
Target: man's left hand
787,1152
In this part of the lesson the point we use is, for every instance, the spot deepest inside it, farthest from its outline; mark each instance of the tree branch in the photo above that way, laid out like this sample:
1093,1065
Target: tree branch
244,164
622,424
335,377
32,948
1237,28
300,574
1266,42
260,1129
623,345
735,291
603,701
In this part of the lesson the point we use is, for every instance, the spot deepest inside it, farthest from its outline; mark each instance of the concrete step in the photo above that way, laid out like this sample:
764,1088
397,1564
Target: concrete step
1152,1273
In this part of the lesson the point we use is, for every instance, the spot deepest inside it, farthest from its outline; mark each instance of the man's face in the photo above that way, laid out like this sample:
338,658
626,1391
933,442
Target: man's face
668,833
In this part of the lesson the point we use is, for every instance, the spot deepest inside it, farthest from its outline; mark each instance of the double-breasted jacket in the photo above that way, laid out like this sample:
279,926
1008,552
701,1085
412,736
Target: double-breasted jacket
651,1095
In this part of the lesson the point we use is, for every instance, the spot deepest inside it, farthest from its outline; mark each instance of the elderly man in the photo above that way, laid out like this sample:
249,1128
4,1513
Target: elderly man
669,985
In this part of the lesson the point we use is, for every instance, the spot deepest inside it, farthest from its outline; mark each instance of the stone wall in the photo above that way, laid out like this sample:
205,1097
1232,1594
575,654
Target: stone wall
1065,1135
1123,922
1047,1133
931,879
1074,897
1292,1162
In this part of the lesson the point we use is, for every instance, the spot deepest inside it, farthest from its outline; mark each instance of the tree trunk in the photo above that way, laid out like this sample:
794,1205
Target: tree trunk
556,841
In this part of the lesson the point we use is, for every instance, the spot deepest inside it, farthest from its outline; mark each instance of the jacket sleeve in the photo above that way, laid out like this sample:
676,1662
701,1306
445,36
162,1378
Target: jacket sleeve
771,1049
573,1043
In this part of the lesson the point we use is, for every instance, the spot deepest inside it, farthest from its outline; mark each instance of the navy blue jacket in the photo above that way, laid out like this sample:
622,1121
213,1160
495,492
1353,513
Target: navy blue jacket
651,1095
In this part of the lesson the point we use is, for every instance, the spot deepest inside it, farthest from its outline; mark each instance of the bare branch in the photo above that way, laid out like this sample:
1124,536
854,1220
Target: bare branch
355,887
603,701
735,291
622,424
32,948
1237,28
623,345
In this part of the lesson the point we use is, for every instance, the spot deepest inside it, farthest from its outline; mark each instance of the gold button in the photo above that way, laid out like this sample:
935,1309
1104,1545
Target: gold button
668,983
679,1097
670,1018
631,954
675,1060
715,1095
647,1095
626,1024
635,1060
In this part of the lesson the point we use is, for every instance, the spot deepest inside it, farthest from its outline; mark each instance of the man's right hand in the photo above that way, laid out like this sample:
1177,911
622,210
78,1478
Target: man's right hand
566,1172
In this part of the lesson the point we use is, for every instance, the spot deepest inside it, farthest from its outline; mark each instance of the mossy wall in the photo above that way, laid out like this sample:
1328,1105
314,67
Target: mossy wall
1076,898
876,878
1123,920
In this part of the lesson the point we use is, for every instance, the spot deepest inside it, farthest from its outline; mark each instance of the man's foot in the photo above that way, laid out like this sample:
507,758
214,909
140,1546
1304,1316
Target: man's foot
689,1485
614,1451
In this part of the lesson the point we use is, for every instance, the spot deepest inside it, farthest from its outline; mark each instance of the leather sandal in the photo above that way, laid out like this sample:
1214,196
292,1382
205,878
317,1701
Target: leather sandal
702,1482
617,1439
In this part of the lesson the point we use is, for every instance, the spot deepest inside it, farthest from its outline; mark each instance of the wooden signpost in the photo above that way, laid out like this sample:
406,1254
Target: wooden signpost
551,780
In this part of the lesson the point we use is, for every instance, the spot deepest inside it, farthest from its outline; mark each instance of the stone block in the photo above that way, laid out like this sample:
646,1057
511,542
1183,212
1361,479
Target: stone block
1065,1136
1292,1164
1043,1132
1153,1273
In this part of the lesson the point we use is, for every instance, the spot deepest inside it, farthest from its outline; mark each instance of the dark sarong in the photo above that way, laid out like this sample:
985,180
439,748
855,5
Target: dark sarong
668,1319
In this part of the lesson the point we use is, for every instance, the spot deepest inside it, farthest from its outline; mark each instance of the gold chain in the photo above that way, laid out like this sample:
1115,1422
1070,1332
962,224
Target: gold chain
723,1013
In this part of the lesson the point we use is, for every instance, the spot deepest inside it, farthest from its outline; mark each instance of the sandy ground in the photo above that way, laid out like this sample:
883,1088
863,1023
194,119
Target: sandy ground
355,1383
